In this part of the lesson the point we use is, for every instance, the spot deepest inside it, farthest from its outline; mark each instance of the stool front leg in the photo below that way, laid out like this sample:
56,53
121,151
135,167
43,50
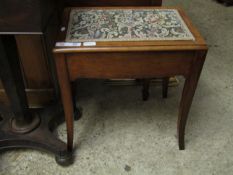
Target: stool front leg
189,89
66,95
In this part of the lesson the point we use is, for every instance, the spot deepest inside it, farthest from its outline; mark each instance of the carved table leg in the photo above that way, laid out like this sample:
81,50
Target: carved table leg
19,126
187,95
22,121
165,86
65,88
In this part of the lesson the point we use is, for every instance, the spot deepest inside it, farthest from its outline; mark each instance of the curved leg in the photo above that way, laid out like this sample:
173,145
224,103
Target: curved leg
65,88
145,89
165,86
187,95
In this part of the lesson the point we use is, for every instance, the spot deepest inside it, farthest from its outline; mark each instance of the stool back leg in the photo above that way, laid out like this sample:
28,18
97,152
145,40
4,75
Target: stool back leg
145,89
165,86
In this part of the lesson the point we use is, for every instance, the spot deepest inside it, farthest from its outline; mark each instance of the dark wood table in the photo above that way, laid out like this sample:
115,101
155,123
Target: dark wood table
26,35
130,59
20,126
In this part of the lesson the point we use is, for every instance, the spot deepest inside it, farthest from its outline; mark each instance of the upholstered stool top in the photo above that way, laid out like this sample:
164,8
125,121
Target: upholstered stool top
126,25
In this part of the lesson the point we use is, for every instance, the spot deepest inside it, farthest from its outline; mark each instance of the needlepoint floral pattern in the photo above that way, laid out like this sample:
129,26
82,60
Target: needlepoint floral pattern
126,25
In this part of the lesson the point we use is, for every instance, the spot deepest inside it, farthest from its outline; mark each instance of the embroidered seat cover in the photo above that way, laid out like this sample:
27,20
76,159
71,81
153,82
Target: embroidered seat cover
126,25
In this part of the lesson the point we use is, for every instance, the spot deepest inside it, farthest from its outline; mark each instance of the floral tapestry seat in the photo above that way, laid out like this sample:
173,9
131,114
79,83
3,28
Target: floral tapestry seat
126,25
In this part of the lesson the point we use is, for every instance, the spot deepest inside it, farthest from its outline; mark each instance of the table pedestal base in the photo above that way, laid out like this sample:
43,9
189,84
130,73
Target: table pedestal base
21,127
41,137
